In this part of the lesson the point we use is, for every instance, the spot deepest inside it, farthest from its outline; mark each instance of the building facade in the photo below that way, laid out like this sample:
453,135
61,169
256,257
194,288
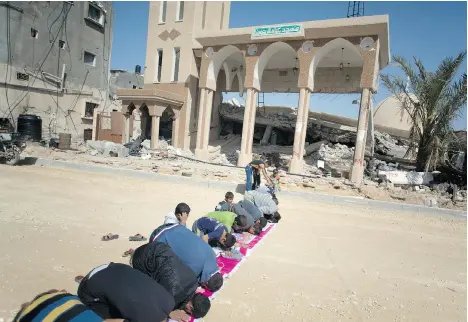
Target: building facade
192,57
55,62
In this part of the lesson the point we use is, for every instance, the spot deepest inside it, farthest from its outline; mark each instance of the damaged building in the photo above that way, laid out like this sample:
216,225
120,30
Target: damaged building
192,57
54,63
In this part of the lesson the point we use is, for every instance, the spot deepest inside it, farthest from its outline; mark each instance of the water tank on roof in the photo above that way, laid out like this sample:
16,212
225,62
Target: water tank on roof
137,69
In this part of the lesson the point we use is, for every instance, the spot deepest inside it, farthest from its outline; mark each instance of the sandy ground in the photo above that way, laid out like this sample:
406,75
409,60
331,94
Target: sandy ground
322,263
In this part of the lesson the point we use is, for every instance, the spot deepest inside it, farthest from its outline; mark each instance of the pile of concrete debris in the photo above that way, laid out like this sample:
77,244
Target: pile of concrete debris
331,142
136,149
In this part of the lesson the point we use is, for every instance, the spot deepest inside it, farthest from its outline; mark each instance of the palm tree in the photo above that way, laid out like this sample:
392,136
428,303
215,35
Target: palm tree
432,100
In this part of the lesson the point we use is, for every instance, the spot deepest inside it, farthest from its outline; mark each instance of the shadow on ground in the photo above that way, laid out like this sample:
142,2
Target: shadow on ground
27,161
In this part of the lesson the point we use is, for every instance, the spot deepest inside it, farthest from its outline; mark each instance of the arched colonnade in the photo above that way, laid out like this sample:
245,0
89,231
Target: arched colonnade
247,63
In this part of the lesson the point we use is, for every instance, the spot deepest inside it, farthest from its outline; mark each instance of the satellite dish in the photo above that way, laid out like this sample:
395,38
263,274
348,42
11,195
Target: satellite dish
252,49
307,46
209,52
367,43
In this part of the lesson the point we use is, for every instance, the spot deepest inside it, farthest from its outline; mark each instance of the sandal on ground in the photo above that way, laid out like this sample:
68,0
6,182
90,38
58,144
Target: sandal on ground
79,278
109,236
137,237
128,253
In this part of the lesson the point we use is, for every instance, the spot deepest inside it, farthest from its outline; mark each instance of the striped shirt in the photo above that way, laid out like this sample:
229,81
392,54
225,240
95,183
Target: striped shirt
57,307
263,201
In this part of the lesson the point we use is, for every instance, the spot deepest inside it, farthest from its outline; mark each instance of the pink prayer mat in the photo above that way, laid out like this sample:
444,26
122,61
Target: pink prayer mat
229,266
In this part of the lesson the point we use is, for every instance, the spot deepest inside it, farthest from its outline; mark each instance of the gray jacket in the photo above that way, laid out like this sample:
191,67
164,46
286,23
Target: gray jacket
263,201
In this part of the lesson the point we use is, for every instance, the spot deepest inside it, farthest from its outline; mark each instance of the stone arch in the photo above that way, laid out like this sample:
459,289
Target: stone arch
325,50
228,75
145,124
166,123
237,79
130,108
217,62
265,57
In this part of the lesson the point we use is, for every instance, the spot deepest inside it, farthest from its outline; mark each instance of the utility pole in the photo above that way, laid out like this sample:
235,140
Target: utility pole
355,9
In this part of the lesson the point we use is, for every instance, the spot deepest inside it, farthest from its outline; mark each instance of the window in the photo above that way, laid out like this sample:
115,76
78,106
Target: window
159,60
89,59
95,14
34,33
180,11
175,74
61,44
162,15
89,109
22,76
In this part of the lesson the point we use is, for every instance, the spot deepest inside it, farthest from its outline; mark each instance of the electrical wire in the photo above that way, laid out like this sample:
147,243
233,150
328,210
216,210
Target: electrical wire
108,54
31,82
58,60
53,23
68,48
75,101
7,69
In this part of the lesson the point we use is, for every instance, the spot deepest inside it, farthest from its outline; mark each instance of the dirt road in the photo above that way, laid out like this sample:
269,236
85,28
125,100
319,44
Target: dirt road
322,263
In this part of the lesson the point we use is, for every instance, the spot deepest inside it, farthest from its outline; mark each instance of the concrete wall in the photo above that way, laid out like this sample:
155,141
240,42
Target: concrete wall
327,80
122,79
174,33
48,65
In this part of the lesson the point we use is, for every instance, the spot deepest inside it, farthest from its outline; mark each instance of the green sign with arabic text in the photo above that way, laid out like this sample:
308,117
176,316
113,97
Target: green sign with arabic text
283,30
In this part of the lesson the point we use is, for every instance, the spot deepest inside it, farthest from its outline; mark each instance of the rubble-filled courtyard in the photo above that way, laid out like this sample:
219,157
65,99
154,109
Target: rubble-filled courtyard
337,158
323,262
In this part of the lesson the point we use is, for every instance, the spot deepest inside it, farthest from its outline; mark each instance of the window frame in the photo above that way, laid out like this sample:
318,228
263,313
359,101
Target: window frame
158,71
86,115
94,61
178,18
99,22
163,12
175,63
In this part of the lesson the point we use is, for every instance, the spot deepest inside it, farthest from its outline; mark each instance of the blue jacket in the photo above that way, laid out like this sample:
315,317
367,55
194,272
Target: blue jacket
191,249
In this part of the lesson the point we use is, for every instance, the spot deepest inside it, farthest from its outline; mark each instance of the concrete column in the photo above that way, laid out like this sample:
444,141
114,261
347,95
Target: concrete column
245,155
154,131
253,112
357,172
266,135
300,132
201,117
176,129
207,122
215,118
370,140
204,120
95,124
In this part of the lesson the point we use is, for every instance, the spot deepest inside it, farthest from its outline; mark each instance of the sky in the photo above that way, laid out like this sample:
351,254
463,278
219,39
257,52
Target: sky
428,30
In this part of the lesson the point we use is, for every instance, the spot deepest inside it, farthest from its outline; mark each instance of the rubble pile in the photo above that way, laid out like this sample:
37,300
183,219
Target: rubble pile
338,158
105,148
279,120
387,145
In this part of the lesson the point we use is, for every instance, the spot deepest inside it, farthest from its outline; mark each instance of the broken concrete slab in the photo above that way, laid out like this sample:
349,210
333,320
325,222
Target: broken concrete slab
407,178
430,202
315,147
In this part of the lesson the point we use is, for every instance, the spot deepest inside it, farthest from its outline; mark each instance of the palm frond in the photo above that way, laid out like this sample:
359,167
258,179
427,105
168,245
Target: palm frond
439,100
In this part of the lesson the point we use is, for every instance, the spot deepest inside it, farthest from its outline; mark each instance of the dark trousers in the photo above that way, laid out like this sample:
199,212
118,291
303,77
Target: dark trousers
256,179
248,178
